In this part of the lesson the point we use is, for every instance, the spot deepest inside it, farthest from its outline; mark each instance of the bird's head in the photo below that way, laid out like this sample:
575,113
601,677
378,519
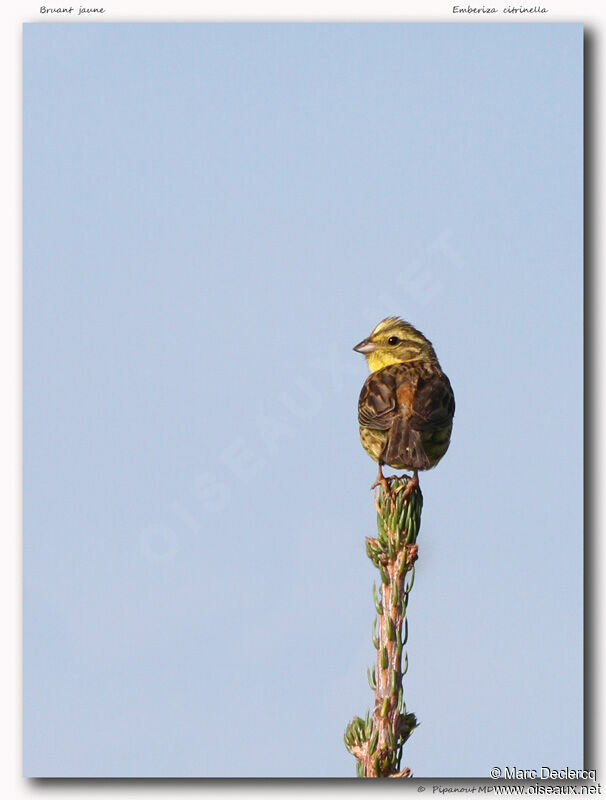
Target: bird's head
394,341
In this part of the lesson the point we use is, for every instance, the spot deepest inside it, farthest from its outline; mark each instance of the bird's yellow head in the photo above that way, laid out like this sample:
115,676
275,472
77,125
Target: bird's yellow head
394,341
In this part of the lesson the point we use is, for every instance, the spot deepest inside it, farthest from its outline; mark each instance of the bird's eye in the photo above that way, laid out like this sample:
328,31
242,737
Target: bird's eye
393,340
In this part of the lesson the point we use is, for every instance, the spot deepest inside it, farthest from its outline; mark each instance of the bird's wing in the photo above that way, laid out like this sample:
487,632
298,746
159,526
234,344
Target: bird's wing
433,404
377,406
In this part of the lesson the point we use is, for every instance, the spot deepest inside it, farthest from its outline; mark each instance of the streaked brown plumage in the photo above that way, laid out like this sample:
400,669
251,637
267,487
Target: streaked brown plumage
406,405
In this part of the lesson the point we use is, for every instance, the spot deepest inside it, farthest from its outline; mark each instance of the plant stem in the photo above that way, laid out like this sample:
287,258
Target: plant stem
377,741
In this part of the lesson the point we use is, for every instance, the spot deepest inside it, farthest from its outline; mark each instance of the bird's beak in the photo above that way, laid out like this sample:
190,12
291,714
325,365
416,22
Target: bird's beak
365,347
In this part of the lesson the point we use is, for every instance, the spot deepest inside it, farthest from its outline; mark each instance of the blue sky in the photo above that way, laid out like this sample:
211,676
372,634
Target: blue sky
213,216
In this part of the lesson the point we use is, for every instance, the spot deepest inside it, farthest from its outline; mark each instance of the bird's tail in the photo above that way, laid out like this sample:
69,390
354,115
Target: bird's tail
404,448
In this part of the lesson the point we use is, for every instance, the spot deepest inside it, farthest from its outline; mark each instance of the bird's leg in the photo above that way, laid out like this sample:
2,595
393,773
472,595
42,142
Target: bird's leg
412,484
382,481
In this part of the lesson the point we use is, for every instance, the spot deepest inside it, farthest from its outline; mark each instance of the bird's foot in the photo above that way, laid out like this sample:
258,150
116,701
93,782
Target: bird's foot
411,484
385,485
384,482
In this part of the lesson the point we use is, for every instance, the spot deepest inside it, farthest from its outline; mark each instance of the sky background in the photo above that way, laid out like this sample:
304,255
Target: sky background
213,216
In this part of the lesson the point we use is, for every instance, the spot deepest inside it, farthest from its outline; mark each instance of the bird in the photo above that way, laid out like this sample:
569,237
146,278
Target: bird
406,406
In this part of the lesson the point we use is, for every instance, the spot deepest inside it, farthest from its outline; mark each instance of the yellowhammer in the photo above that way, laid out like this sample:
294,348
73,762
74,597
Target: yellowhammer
406,405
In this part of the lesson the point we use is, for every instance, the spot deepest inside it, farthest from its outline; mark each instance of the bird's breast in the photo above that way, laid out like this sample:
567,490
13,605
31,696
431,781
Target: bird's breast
373,441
